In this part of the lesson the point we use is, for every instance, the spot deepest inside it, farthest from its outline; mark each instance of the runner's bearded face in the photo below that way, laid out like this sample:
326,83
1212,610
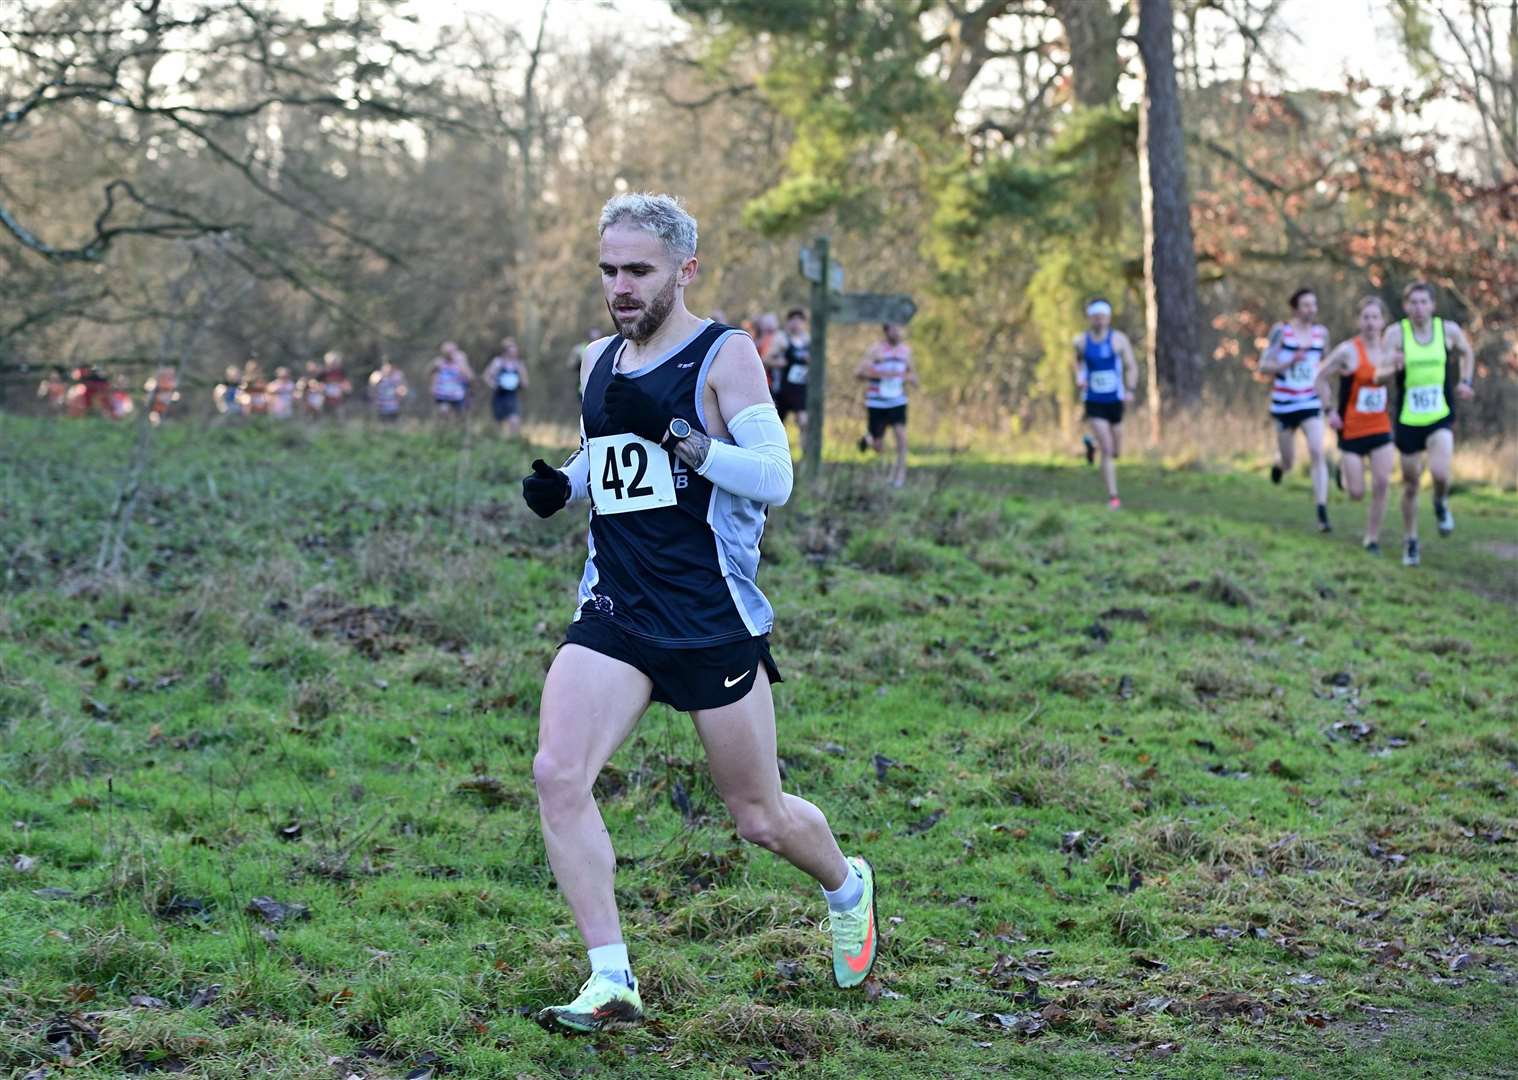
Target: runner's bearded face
640,278
1099,322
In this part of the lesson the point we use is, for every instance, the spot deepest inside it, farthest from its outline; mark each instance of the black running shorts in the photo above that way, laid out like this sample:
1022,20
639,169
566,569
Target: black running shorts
1290,421
1110,411
791,399
684,679
1414,440
1364,445
880,419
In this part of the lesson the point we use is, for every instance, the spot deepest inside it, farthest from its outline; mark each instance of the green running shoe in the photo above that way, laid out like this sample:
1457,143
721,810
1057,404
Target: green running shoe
856,940
603,1005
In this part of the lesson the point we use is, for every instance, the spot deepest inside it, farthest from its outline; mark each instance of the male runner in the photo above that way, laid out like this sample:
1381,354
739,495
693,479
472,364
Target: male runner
1360,416
1296,349
887,371
788,356
1107,376
1417,360
681,453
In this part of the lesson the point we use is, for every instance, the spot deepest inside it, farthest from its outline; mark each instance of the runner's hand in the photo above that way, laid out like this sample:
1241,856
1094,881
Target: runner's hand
629,408
1335,421
546,490
1465,391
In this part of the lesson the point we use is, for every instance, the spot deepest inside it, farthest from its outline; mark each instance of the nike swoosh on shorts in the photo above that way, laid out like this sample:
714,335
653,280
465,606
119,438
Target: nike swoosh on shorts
734,681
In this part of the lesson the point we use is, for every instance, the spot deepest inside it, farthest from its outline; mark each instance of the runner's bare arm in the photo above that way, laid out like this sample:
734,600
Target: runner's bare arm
1324,387
1130,365
1080,360
522,373
589,357
774,356
1457,337
1391,346
866,369
1268,365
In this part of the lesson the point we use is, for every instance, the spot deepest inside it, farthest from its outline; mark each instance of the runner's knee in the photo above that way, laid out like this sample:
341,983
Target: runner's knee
759,823
559,780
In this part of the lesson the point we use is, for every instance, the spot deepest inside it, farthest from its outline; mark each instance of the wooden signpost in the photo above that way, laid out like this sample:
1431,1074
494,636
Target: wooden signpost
831,304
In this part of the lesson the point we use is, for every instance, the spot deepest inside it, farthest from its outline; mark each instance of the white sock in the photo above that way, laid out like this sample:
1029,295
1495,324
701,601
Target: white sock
611,961
847,894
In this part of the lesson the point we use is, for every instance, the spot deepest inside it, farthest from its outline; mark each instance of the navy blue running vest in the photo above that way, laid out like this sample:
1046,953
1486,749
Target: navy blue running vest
1100,356
682,576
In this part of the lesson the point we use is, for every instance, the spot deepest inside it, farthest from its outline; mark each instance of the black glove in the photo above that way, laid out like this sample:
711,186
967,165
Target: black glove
629,408
546,490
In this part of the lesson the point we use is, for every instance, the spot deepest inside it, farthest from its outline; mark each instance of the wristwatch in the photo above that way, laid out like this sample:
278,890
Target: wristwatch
678,430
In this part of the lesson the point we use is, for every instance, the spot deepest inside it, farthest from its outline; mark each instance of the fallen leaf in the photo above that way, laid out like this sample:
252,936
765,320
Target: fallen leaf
916,828
1149,962
52,893
1165,1050
883,765
274,911
23,864
147,1001
204,996
1316,1020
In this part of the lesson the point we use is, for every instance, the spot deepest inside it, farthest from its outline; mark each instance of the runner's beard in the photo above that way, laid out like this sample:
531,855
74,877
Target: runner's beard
652,316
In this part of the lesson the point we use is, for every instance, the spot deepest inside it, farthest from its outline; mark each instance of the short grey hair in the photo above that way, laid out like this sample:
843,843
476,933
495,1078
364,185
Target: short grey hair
661,215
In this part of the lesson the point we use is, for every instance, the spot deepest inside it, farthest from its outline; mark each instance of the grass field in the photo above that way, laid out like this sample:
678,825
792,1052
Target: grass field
1188,791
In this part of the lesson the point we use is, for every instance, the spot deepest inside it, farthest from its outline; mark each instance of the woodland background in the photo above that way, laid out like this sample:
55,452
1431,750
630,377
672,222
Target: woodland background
197,182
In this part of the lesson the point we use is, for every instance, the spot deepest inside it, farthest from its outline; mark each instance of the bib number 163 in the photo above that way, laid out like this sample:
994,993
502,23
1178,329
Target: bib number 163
628,473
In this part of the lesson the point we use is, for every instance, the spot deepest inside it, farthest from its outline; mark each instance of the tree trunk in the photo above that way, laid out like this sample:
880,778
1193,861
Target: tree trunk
1092,29
1170,285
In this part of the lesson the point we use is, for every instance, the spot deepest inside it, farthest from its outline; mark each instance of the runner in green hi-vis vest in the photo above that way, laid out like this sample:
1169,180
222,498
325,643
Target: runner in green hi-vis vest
1417,351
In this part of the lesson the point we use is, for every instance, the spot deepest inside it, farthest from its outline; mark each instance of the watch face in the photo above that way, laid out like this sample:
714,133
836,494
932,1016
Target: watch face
680,429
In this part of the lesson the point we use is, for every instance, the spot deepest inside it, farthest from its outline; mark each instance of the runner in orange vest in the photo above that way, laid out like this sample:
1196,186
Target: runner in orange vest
1348,377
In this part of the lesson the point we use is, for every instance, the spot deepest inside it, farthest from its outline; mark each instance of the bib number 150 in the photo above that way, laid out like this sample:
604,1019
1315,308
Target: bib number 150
628,473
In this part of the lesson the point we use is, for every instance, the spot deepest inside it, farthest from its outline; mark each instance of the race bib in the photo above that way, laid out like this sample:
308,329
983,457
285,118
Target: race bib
1302,372
1371,399
508,380
333,390
628,473
1425,399
1103,382
797,375
889,388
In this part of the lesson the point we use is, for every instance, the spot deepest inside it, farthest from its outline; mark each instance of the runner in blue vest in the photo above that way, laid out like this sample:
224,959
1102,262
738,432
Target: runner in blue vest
1107,375
682,452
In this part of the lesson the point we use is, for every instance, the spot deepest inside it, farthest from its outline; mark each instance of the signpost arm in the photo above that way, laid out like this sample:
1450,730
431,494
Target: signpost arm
817,373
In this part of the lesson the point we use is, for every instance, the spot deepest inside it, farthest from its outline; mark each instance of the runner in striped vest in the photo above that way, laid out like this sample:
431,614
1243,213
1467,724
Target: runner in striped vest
1293,356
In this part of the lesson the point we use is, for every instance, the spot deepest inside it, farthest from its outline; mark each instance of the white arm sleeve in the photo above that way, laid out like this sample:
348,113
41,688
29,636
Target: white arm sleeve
759,467
577,468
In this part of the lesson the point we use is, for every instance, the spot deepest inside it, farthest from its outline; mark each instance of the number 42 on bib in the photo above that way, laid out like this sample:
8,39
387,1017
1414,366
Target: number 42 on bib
628,473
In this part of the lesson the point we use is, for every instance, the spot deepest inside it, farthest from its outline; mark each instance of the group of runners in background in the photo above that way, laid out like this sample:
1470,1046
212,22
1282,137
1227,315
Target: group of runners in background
1391,388
885,370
